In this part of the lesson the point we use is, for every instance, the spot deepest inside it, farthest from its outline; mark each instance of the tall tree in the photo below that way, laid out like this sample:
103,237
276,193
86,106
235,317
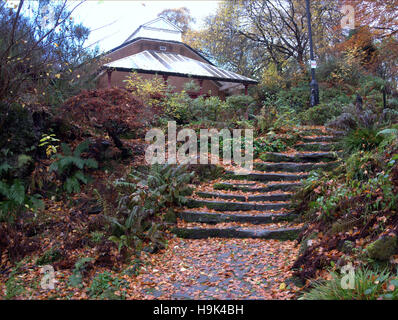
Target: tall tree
222,42
267,31
181,17
380,16
39,43
375,37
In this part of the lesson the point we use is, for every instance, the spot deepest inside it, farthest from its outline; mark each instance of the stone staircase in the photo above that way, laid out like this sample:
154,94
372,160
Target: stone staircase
258,205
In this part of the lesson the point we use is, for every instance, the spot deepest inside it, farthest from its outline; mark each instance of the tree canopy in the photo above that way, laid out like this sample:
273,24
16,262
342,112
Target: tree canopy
41,45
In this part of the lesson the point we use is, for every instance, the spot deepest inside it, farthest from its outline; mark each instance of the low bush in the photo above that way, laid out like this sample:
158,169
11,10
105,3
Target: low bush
105,286
14,199
144,200
361,139
320,114
70,166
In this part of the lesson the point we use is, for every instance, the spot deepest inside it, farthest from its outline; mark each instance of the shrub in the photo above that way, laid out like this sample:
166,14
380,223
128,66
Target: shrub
340,70
361,139
210,108
104,286
70,166
76,279
143,201
49,256
149,91
319,114
177,107
17,131
239,105
266,118
13,197
296,98
114,111
183,109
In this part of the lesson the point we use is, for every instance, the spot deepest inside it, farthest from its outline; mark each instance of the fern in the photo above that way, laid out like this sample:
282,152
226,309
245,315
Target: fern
389,131
389,135
4,168
16,200
142,198
70,165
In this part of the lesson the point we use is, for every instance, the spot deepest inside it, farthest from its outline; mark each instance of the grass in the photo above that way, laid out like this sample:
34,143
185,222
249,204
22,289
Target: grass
368,285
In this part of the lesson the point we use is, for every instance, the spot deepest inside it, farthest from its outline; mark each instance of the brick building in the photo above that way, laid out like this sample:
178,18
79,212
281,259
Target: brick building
156,49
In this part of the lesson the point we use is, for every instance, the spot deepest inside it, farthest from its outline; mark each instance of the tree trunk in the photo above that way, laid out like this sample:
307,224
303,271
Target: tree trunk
126,153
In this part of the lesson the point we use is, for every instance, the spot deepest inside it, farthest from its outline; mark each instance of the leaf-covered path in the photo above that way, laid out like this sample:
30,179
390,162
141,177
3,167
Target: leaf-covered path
218,269
237,233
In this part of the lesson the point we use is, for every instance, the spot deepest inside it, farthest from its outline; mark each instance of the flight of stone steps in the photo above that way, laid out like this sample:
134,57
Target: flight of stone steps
257,205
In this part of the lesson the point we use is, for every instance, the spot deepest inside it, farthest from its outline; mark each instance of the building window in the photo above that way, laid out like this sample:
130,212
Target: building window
162,48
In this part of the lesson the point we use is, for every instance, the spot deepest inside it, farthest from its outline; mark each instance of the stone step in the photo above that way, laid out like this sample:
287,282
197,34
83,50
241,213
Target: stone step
293,167
246,184
316,146
265,177
242,198
335,132
241,233
214,218
314,132
289,186
300,157
319,139
236,206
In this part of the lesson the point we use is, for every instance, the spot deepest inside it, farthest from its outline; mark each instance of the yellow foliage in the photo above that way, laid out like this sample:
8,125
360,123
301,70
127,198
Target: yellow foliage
271,77
145,89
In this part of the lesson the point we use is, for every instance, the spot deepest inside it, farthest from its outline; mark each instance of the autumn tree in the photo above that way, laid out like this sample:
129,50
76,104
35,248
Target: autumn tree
110,112
221,42
263,32
376,33
41,46
379,15
181,17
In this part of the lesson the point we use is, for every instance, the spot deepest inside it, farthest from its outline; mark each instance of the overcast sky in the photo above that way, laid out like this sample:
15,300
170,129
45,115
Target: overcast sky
121,18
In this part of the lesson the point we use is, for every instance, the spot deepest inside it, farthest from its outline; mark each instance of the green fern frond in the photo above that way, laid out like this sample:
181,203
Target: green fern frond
17,192
79,175
72,185
389,131
81,148
66,149
4,167
91,163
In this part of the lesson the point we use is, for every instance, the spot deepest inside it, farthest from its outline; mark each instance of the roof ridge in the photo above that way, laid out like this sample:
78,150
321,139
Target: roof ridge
149,23
163,19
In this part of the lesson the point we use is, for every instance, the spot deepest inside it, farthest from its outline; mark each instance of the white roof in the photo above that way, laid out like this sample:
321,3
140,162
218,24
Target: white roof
175,65
159,28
